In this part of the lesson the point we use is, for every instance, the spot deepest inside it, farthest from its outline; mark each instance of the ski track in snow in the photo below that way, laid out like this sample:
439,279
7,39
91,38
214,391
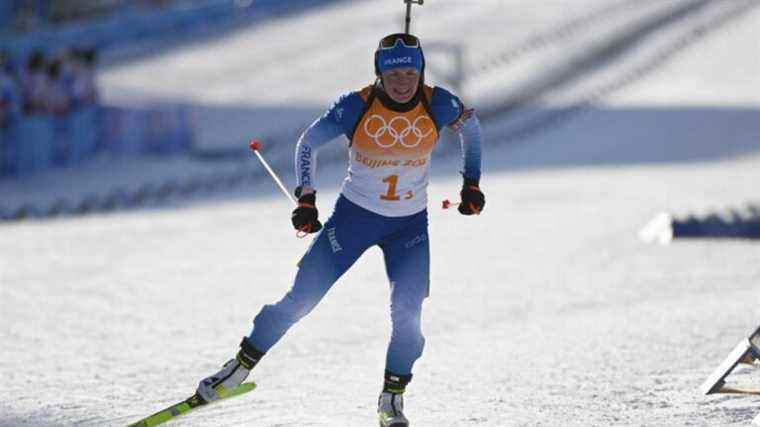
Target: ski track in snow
545,310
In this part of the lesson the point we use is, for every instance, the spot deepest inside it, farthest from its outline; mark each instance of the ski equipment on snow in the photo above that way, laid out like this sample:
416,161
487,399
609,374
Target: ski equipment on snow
188,405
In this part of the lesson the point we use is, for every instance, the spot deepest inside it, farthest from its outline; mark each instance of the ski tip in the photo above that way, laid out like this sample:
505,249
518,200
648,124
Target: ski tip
247,386
255,144
241,389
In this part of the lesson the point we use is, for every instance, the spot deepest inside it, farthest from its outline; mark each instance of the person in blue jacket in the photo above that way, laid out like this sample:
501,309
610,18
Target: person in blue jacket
392,127
10,113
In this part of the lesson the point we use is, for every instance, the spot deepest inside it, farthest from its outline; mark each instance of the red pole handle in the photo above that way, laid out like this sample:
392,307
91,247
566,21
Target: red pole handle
447,204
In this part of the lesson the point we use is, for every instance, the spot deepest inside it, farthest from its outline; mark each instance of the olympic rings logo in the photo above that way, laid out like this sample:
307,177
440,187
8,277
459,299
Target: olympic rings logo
398,136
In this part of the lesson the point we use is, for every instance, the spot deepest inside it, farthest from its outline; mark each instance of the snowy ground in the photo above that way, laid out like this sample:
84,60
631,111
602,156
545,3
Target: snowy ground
545,310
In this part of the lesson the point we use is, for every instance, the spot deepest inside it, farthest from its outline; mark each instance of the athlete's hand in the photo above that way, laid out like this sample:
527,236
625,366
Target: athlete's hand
473,199
305,216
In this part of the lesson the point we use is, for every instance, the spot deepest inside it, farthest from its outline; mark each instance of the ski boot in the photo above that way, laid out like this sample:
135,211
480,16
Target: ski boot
390,404
232,374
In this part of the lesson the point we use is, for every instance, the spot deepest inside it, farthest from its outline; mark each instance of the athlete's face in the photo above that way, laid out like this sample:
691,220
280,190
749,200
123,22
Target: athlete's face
401,83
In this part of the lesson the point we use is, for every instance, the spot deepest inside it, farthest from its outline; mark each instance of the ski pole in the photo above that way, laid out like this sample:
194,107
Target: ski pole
409,11
256,146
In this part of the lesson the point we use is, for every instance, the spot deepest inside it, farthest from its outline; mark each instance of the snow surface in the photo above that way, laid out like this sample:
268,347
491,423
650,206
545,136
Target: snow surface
545,310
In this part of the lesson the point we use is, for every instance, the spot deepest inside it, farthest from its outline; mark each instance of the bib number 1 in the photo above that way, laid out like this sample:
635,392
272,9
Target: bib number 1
390,194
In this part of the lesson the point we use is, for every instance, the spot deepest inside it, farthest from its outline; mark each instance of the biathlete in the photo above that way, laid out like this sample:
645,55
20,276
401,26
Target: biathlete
392,127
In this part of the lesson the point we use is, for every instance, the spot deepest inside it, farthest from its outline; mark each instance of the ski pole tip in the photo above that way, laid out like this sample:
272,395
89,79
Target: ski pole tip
255,145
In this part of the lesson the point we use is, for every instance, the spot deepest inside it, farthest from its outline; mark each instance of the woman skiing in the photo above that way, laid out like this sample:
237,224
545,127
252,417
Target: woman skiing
392,127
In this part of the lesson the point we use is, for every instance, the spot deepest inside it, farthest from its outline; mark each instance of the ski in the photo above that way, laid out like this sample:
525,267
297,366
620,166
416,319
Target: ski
746,352
187,405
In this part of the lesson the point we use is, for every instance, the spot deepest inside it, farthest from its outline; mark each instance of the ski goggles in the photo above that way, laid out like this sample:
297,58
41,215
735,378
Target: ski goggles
408,40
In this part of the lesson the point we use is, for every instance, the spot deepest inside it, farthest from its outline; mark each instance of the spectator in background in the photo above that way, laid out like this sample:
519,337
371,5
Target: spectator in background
10,99
34,83
58,105
55,97
10,110
84,125
84,92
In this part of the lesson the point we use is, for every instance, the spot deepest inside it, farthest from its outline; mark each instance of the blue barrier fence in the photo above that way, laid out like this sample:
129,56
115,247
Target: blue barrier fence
40,142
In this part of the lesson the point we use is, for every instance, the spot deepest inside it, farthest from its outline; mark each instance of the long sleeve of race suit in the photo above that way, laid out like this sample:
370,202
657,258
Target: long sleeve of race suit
322,131
470,139
448,110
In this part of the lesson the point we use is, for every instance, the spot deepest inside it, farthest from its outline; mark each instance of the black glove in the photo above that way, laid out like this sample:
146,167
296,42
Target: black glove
473,199
304,217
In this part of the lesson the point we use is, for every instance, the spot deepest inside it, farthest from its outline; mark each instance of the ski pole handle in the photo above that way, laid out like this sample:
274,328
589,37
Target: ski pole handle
256,146
446,204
